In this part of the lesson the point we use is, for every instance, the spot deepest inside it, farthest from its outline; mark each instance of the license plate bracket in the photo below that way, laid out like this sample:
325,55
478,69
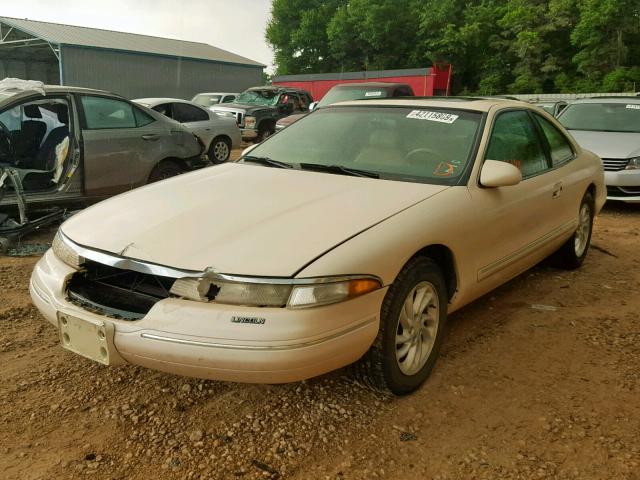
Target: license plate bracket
86,337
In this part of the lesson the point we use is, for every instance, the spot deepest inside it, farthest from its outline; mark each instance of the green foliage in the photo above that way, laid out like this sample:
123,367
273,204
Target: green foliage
495,46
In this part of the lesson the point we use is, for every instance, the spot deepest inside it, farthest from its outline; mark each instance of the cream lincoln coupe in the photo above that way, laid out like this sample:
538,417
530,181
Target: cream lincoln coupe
347,237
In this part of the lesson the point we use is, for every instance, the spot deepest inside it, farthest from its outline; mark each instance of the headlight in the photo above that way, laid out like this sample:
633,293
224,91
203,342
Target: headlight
634,164
233,293
65,253
273,294
249,122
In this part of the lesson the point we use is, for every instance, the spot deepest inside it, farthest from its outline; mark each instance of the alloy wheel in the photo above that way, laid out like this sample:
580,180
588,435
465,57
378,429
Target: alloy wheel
417,328
584,229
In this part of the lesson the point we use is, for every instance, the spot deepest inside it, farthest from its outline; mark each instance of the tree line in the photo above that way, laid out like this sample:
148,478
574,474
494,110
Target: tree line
495,46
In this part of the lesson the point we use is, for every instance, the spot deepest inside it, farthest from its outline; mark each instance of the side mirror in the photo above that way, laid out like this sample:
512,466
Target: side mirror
248,149
313,106
499,174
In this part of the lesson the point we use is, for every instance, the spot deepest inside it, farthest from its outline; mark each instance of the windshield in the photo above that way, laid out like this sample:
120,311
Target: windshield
258,97
602,117
205,100
345,94
397,143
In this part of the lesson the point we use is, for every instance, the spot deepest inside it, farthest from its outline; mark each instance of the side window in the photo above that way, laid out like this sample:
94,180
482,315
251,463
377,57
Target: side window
229,99
306,101
107,113
164,109
514,140
298,106
560,147
560,108
185,113
142,118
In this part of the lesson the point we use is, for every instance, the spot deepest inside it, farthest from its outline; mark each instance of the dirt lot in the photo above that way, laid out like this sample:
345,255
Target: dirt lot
520,392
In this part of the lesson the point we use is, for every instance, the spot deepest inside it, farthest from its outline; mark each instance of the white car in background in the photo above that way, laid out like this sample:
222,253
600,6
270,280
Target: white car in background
610,127
214,98
219,134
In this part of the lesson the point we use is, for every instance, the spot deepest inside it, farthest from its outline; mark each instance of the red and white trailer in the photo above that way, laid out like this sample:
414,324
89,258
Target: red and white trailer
425,82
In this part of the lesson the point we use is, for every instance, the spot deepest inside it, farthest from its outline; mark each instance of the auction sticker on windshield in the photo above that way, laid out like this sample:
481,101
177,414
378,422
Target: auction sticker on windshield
373,94
634,107
433,116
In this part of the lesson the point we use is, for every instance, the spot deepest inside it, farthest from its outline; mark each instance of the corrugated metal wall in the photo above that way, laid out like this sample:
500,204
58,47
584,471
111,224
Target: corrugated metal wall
138,75
46,72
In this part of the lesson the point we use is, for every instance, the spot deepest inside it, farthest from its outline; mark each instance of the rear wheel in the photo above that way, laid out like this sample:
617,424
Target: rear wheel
165,169
574,251
412,322
220,150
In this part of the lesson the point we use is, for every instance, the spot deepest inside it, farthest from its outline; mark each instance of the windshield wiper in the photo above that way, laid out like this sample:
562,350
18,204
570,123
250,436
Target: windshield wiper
339,169
270,162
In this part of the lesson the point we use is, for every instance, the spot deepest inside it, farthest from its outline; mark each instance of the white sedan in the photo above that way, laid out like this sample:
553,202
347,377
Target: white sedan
219,134
351,237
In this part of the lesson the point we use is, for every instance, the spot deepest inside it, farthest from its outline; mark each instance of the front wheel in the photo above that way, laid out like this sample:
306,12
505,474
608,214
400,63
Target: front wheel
574,251
412,321
265,131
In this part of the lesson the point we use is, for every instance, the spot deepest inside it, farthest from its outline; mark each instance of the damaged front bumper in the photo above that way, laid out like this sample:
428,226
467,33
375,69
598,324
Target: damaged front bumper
215,341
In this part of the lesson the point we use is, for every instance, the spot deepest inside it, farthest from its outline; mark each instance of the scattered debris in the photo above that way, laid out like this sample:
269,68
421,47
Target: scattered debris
28,250
546,308
265,468
407,437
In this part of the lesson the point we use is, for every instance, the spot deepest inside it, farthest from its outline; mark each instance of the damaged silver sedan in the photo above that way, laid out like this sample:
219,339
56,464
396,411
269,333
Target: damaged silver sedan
63,147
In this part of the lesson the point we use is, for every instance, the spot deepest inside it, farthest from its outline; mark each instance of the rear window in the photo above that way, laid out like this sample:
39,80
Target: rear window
346,94
602,117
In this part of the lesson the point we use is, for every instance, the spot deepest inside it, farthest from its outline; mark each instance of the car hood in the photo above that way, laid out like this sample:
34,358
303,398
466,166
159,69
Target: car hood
609,144
241,219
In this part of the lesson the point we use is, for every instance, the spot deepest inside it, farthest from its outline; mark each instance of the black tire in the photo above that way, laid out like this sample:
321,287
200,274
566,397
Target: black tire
265,130
379,368
570,256
219,150
165,169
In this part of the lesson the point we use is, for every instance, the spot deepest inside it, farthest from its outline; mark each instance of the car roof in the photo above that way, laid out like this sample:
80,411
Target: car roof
277,88
462,103
216,93
62,89
11,95
606,99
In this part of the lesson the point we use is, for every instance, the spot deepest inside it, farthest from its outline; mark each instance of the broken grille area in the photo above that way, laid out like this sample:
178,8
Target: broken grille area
117,293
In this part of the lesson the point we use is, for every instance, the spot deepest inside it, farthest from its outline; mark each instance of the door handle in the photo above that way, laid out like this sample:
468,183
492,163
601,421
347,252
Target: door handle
150,137
557,190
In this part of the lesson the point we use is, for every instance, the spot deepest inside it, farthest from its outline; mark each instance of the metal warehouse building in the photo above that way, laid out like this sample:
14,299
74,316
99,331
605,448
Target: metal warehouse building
129,64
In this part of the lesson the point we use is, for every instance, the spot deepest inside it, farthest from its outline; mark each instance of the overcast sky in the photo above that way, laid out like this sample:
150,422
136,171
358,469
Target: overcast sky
234,25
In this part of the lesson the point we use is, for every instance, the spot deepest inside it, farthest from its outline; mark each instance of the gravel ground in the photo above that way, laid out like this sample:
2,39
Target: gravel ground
540,379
